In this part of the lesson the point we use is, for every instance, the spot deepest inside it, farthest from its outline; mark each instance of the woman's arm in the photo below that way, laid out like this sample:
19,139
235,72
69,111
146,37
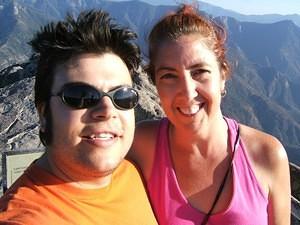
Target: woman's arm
279,208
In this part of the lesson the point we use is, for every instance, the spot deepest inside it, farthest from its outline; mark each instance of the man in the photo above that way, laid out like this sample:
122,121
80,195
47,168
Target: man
85,100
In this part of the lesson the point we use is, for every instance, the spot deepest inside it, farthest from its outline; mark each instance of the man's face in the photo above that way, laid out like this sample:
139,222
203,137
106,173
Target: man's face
90,142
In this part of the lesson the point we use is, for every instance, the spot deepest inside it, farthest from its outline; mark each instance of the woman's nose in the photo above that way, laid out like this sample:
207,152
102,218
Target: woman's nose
189,88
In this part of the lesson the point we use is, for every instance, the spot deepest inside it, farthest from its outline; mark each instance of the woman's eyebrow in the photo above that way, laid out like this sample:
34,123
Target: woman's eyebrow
197,65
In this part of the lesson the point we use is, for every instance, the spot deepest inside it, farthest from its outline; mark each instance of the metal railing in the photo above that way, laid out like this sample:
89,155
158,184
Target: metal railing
295,214
295,203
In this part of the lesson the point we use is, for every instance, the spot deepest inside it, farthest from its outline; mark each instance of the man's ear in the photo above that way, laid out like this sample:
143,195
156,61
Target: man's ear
41,112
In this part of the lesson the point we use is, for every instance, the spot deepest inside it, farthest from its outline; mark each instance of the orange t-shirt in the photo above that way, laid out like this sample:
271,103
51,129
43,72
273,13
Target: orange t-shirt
39,198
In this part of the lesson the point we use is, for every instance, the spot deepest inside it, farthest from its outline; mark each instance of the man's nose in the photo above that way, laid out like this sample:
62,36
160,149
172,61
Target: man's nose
104,109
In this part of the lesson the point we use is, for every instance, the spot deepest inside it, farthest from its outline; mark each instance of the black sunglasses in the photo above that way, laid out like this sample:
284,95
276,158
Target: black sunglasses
80,96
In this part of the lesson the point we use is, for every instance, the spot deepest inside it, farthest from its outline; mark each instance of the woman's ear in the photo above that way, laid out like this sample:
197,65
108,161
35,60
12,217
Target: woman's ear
223,80
223,86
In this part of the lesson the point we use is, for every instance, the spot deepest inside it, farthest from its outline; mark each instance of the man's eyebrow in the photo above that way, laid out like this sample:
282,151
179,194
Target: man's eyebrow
165,68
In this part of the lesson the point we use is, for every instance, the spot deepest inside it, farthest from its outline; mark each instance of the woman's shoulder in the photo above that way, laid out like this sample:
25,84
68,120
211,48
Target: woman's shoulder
270,165
266,155
143,146
145,135
147,127
261,145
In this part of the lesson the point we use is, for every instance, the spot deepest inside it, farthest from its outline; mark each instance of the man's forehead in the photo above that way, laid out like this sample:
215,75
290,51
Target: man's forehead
101,70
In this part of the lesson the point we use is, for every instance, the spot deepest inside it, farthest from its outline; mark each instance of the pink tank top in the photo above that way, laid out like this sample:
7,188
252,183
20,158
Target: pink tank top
248,205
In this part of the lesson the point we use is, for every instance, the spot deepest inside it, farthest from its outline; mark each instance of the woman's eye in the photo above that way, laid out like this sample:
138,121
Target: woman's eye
200,71
200,74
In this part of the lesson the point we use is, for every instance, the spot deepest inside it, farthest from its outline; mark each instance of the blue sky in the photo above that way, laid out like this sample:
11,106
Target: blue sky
259,6
246,6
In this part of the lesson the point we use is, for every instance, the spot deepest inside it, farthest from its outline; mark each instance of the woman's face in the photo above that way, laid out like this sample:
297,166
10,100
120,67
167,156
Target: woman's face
189,81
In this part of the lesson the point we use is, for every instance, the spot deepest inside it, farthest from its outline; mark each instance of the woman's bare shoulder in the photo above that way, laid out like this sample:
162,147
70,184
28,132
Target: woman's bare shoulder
143,146
147,127
262,147
267,156
271,167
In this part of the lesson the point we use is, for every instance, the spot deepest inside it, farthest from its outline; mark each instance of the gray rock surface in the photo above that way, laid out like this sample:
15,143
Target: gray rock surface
19,120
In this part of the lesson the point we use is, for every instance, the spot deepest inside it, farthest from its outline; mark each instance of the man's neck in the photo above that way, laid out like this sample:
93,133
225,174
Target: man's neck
85,182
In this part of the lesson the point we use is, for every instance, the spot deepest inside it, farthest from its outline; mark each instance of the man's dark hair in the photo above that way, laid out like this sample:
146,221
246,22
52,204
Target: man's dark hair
91,32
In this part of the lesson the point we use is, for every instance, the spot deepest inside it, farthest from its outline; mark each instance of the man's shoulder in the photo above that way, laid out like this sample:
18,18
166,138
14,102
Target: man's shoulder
126,167
20,204
19,216
129,176
22,187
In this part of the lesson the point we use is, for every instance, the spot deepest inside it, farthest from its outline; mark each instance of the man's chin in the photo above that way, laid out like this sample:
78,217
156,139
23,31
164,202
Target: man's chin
107,169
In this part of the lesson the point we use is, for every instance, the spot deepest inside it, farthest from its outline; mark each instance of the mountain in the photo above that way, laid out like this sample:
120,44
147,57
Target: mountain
267,18
266,78
219,11
15,15
17,23
263,91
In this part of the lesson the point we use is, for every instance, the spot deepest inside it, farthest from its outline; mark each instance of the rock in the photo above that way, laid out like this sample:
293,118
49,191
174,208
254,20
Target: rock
19,120
149,107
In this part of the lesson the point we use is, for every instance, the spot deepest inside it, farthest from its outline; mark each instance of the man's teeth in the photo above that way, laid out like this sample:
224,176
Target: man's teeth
190,110
104,136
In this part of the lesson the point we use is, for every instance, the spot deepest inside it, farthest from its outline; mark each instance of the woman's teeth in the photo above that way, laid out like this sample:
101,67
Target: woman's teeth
190,110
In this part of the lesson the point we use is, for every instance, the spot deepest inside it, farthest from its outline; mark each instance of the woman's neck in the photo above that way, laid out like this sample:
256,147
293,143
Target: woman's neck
207,140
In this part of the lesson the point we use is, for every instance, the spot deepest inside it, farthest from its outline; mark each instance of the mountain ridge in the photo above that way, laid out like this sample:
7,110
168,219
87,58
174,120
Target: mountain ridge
263,90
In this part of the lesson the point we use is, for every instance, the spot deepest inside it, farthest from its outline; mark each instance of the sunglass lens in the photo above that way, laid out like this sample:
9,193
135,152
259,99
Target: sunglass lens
126,98
80,96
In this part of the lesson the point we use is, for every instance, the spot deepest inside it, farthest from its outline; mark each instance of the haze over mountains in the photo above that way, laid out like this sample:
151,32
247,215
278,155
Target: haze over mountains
265,57
218,11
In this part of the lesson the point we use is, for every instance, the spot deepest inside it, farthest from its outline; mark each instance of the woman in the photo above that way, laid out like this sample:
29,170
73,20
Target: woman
202,168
